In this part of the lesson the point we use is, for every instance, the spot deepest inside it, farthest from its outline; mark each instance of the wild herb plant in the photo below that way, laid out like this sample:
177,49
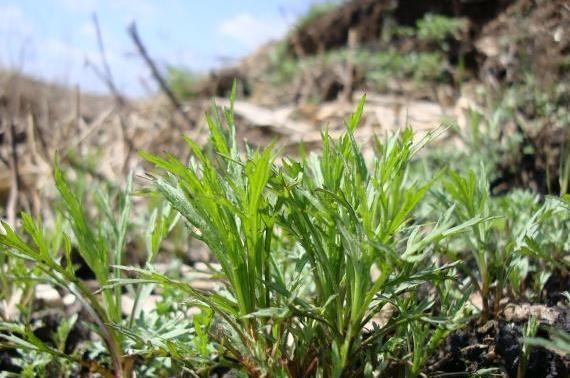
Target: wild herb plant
546,243
47,256
98,249
297,242
524,237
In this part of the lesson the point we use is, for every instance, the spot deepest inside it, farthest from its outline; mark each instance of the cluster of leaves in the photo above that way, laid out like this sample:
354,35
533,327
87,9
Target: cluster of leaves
297,244
438,28
330,265
435,30
522,227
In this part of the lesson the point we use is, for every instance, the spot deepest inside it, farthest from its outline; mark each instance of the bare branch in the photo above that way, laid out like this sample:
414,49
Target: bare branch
156,74
105,75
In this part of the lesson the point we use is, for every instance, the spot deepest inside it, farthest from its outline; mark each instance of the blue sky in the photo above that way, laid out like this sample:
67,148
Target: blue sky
54,38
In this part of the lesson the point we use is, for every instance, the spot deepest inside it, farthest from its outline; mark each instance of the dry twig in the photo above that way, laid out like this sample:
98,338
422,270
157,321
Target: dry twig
105,75
157,75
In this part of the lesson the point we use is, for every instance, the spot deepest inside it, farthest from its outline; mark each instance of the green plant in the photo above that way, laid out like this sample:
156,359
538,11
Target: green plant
558,341
297,242
426,337
93,245
100,242
471,195
522,226
547,241
529,331
39,358
438,28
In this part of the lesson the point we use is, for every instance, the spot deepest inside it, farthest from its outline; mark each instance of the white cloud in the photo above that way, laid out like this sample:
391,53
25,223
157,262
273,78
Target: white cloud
16,30
13,20
251,31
